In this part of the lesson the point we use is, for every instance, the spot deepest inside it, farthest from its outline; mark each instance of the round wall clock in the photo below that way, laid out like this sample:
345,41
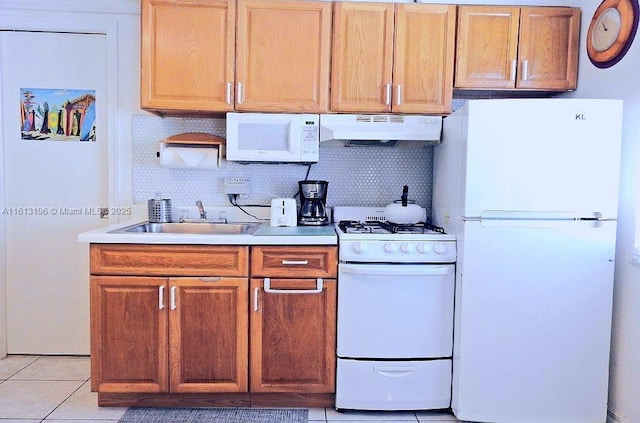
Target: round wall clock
611,31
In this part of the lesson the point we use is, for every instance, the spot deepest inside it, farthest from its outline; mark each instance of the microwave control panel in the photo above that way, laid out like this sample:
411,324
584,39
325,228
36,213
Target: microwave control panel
310,137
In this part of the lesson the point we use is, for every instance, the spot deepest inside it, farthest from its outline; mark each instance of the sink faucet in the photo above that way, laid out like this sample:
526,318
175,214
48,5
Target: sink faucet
203,214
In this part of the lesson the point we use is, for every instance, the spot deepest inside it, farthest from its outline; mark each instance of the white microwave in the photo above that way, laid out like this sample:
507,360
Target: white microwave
273,137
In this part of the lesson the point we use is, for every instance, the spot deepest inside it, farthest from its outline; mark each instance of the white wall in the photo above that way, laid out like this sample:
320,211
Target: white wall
119,20
620,81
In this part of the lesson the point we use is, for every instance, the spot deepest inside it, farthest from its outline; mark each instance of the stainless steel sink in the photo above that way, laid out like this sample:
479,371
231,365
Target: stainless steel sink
205,228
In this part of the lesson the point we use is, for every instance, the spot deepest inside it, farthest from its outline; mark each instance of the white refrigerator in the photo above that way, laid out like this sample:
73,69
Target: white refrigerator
530,188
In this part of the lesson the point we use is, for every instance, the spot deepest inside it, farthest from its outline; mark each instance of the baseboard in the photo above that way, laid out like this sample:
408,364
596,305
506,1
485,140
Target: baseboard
114,399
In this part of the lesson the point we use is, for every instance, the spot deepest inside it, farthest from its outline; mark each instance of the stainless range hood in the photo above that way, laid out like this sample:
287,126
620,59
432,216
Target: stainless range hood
384,128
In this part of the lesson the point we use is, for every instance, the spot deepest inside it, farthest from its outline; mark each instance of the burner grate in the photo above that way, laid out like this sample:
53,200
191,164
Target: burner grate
383,226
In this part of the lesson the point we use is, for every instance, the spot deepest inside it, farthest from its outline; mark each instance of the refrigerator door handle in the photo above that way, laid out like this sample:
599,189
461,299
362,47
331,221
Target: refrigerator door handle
539,215
506,219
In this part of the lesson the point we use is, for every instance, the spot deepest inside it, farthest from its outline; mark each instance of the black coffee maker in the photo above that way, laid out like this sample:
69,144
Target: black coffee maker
313,200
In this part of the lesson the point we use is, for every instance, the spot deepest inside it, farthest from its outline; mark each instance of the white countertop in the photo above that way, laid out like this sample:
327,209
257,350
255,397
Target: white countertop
265,235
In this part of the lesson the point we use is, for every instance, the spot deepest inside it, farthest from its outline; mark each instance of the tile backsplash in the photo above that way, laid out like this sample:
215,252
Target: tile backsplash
358,176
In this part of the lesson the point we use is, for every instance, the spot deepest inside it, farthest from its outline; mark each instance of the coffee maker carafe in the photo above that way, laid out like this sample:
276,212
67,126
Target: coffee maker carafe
313,199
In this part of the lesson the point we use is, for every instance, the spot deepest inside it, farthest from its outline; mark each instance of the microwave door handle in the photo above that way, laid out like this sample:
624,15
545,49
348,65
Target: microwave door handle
291,136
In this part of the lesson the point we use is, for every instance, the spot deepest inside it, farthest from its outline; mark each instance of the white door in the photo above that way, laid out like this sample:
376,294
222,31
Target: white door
53,191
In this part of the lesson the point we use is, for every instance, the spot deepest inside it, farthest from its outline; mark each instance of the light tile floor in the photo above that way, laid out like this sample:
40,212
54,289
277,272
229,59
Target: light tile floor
57,389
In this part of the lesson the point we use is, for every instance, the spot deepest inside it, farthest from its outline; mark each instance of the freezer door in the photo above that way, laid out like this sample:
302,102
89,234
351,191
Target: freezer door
542,155
533,322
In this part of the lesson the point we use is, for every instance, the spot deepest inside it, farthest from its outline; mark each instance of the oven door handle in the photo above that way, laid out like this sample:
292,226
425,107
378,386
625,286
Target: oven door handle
268,289
394,269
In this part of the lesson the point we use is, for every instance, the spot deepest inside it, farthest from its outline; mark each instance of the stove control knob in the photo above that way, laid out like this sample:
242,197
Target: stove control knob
421,248
406,247
390,247
359,247
439,248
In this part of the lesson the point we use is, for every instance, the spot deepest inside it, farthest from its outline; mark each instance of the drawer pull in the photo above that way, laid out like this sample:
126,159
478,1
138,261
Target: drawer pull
268,289
396,371
210,279
295,262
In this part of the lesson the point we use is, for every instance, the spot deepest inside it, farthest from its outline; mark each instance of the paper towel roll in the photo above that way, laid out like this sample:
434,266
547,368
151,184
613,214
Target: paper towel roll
189,157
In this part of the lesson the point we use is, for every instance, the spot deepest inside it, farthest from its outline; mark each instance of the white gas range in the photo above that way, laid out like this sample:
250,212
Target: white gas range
365,236
395,313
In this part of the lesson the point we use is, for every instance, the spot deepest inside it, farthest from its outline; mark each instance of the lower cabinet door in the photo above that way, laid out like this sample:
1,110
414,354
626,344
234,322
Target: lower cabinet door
208,334
128,334
293,329
393,385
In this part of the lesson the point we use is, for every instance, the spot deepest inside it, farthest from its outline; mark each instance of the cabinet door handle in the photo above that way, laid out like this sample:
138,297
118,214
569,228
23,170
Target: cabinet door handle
295,262
239,93
399,96
525,70
161,297
255,299
228,92
173,298
387,100
514,67
268,289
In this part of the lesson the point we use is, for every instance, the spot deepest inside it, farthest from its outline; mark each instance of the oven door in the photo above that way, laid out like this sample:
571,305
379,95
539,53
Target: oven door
395,311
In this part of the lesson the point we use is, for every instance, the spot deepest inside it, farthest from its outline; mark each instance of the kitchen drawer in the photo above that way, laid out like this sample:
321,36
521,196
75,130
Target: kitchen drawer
393,385
299,262
169,260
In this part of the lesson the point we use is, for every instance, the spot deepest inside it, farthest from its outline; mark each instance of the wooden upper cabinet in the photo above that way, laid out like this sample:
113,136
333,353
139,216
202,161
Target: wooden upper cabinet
392,58
283,55
187,55
423,58
487,47
533,48
362,58
548,47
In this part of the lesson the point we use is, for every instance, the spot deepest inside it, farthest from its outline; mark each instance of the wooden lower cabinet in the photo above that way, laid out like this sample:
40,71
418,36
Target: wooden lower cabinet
169,335
162,336
293,325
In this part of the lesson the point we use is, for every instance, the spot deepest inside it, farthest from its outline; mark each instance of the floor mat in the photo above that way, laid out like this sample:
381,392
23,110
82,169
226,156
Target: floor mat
217,415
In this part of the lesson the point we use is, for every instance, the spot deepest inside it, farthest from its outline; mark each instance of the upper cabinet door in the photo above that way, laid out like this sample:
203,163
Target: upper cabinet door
187,55
423,58
362,57
487,47
549,44
283,55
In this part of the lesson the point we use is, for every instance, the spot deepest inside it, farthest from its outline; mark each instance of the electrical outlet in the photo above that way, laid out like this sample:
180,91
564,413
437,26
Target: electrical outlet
237,185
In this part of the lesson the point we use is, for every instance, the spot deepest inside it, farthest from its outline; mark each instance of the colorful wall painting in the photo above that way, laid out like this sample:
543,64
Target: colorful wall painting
58,114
